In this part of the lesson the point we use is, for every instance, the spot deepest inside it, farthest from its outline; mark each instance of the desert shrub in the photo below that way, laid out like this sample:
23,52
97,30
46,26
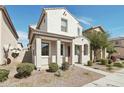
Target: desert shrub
24,70
89,63
4,74
65,66
98,60
58,73
14,55
109,66
110,61
117,64
103,62
53,67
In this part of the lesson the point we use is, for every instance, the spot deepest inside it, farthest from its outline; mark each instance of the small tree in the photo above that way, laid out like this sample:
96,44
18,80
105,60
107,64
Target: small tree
98,40
6,52
111,50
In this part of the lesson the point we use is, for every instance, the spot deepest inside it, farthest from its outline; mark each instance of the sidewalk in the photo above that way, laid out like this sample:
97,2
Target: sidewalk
111,80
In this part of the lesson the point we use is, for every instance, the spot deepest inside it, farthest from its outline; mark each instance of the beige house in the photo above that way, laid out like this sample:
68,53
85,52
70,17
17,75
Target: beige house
8,35
119,46
58,38
101,54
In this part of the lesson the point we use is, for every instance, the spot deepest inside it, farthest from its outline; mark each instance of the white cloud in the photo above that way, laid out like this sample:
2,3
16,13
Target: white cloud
86,20
23,37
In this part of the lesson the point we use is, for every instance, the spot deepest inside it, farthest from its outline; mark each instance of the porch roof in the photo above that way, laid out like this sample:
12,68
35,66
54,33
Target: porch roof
47,34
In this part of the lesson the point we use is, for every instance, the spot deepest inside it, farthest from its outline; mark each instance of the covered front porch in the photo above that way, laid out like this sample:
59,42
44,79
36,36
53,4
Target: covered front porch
49,48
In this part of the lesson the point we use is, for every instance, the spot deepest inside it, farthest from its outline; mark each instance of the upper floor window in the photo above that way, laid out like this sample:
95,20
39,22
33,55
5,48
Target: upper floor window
64,25
78,31
85,49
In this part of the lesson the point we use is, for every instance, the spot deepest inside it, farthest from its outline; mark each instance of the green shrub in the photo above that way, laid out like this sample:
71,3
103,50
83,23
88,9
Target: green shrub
65,66
53,67
24,70
118,64
89,63
110,61
103,62
98,60
4,74
109,66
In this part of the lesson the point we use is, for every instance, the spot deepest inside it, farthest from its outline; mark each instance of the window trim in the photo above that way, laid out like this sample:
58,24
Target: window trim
49,48
67,24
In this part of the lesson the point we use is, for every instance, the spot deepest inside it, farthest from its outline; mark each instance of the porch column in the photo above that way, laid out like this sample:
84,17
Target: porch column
72,51
38,52
58,51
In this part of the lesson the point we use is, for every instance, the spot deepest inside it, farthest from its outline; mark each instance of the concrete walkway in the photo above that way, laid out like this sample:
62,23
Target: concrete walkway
112,80
94,70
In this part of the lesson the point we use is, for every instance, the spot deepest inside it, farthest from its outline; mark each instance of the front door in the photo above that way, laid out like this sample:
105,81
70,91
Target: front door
68,54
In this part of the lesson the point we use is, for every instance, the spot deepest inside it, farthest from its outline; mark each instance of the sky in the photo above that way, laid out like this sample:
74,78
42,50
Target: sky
110,17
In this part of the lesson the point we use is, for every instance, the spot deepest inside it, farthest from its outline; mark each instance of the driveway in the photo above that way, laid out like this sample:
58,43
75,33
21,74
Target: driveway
112,80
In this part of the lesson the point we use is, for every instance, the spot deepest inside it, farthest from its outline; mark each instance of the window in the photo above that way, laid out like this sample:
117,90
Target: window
62,49
78,31
64,25
85,49
77,50
45,49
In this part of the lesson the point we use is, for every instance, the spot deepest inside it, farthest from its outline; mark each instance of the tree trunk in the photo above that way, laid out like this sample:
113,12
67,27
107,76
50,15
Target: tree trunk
95,55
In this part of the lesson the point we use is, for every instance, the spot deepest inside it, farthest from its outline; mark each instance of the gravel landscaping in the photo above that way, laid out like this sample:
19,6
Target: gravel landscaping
74,77
104,68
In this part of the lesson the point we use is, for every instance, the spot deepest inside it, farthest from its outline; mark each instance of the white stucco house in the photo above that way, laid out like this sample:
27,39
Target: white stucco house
8,34
58,38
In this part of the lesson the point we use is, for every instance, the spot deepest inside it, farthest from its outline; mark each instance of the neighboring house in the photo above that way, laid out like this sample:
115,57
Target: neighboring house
119,46
58,38
20,46
101,54
8,35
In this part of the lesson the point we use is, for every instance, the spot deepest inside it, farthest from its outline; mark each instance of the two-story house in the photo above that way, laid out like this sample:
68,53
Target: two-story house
8,34
58,38
119,46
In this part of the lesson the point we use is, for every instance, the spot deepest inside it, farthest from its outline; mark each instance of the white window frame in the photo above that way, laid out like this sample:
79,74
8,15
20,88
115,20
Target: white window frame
67,24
